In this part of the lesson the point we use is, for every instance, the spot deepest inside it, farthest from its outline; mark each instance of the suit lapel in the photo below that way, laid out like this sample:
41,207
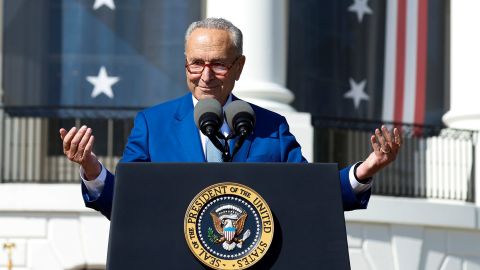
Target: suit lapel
242,154
187,133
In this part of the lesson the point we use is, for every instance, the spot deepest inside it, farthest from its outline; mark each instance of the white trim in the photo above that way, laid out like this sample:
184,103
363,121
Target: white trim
410,62
390,63
422,212
42,198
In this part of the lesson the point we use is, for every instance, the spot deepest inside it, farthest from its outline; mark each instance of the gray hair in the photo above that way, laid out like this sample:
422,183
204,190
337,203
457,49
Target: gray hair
221,24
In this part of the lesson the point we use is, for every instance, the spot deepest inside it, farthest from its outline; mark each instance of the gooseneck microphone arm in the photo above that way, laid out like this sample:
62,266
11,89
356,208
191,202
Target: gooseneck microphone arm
241,120
225,149
238,144
226,157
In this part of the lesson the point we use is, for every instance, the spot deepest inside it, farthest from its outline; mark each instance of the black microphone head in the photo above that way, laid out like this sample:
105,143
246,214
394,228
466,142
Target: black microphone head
208,115
240,117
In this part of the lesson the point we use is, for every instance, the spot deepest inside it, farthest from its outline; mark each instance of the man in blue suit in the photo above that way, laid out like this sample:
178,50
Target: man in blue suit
167,132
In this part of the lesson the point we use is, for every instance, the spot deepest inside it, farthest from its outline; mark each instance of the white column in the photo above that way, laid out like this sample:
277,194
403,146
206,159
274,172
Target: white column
264,24
264,27
464,73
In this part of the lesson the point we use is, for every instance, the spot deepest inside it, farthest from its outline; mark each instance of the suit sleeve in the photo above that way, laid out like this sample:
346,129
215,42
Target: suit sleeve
103,203
350,199
136,150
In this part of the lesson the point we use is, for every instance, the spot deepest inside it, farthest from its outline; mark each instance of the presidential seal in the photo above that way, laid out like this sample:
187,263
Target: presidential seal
228,226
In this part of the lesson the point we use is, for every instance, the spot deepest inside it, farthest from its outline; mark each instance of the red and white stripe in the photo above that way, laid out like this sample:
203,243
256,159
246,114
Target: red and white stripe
405,61
229,235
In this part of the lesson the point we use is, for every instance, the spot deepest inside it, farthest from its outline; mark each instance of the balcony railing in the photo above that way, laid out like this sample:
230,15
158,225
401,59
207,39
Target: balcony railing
31,150
434,162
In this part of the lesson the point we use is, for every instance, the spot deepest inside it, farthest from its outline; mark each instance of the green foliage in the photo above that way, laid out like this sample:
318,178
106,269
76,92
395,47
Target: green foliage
211,235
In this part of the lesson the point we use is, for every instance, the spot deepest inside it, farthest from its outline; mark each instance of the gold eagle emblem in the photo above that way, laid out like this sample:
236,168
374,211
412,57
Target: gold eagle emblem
229,221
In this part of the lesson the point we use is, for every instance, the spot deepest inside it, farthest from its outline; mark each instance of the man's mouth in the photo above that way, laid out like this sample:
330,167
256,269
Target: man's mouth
207,88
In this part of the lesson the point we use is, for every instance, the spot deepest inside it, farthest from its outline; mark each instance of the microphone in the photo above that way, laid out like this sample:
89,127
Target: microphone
241,120
208,116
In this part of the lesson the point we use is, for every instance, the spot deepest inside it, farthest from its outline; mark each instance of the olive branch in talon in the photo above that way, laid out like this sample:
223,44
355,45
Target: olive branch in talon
212,236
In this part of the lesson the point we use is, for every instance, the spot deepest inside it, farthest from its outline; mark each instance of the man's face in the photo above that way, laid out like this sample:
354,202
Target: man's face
212,46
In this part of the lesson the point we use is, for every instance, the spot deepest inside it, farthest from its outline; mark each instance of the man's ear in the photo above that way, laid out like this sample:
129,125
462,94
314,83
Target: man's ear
241,63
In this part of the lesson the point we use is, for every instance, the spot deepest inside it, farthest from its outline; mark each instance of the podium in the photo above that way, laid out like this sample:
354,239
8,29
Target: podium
151,199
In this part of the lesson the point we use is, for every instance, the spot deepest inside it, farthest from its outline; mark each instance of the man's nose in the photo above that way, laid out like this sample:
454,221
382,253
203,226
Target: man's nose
207,73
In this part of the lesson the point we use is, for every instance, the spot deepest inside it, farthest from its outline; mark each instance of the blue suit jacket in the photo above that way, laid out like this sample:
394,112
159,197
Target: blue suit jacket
167,133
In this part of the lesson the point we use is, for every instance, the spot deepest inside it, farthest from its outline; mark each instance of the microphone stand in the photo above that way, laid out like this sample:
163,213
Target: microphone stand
225,148
241,139
238,144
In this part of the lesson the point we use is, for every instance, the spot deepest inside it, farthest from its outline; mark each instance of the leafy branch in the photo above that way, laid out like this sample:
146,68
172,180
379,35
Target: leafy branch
211,235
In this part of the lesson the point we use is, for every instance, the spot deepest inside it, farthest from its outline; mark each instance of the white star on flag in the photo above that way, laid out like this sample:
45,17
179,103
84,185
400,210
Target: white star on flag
108,3
361,8
356,92
102,83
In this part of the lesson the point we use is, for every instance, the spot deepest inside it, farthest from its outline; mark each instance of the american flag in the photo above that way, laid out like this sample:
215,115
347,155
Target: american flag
94,53
370,59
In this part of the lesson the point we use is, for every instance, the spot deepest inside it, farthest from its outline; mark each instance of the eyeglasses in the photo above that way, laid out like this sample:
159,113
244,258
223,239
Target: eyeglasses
217,68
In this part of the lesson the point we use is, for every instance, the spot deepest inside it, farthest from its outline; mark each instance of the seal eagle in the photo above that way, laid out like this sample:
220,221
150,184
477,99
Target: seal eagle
229,221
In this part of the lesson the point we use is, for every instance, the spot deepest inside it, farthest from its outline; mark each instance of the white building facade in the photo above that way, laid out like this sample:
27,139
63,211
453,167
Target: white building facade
51,228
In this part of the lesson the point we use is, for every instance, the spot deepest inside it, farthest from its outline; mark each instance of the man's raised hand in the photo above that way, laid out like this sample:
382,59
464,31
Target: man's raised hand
77,147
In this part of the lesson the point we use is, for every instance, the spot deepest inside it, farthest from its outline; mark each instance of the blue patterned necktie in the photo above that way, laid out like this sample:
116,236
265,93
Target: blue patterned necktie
212,153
